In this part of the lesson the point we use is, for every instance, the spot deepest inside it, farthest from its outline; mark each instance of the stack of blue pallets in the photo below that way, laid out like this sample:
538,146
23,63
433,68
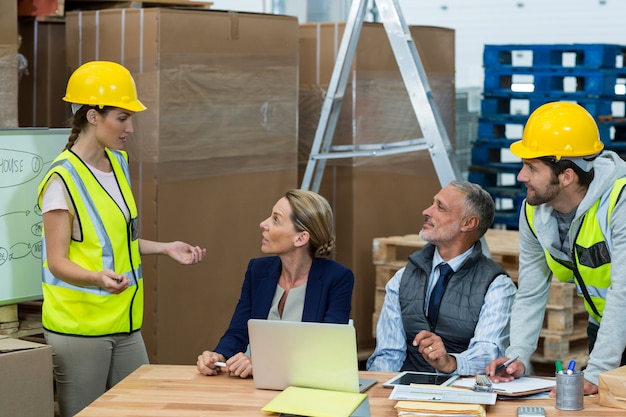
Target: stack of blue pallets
520,78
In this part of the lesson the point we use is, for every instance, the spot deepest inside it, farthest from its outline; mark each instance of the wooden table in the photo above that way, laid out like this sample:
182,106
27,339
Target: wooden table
180,391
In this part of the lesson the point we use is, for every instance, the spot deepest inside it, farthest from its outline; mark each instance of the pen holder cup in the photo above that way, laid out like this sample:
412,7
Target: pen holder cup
570,392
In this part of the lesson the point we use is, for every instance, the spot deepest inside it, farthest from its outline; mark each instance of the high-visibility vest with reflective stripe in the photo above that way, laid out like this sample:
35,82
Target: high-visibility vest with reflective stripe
108,242
591,253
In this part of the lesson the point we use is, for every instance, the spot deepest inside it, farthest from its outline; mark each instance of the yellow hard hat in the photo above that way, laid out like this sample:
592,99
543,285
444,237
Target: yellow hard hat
103,83
560,129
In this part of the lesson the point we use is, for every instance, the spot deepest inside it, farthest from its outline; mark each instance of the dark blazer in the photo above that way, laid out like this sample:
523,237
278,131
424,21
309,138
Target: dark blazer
328,298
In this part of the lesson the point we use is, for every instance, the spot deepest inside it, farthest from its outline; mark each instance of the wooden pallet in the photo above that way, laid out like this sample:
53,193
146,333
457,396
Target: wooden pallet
553,347
545,367
563,322
393,251
563,295
563,348
564,331
386,271
21,320
565,311
9,322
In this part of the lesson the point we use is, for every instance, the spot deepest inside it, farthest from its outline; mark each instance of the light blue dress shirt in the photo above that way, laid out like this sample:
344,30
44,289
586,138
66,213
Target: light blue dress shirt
491,336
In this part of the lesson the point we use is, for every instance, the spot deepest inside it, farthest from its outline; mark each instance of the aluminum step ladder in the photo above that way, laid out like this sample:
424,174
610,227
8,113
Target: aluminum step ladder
435,138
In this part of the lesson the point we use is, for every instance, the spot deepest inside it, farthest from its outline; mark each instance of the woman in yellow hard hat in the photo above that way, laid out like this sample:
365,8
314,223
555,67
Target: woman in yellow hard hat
573,228
92,281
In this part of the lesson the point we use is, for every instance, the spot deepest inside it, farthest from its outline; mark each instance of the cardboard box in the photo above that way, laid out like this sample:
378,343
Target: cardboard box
374,196
42,86
26,378
612,388
210,157
8,64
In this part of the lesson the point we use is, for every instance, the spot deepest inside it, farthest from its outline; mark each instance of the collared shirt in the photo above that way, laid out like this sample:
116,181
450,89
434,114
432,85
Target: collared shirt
491,335
454,263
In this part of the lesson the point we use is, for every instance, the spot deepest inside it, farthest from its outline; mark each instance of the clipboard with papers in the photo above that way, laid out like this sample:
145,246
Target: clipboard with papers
519,387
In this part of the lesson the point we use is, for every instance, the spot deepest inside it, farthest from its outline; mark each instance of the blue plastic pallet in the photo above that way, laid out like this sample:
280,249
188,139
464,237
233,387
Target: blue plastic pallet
524,104
496,130
509,105
492,143
590,56
612,131
504,106
585,83
516,193
617,147
486,180
510,220
508,217
488,155
555,95
490,169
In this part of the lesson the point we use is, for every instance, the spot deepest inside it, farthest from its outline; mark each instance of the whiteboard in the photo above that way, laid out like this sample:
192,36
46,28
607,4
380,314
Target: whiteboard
25,156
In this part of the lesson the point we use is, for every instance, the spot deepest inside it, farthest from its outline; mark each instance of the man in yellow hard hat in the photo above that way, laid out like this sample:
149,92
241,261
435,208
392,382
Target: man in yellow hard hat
573,227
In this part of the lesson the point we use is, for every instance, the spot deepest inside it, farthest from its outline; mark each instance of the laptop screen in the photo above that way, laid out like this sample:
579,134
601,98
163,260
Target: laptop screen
303,354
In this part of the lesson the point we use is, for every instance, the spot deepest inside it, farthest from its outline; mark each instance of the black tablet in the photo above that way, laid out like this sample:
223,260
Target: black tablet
412,377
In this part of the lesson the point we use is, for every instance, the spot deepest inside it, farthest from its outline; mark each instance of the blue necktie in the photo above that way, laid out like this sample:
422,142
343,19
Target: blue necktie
445,272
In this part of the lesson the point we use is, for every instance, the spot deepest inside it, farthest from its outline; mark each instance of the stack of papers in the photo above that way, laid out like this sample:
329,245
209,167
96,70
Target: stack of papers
317,403
438,401
439,394
458,400
423,408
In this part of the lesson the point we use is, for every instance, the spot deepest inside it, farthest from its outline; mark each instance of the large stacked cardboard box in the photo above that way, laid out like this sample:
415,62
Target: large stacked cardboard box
8,64
381,196
215,150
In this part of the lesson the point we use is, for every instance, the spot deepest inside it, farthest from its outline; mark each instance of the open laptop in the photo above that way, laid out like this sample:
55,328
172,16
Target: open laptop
303,354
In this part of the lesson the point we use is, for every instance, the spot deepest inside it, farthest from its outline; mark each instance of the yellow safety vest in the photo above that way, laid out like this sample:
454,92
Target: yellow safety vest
591,269
108,242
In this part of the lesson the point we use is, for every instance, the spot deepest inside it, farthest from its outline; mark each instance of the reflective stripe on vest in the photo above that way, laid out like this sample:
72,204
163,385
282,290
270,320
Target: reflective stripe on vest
592,251
107,242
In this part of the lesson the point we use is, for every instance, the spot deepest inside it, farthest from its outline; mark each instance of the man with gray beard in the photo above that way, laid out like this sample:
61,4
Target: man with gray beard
448,309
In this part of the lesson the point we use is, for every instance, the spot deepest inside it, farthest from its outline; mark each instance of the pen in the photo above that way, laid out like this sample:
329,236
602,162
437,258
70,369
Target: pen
559,367
505,364
571,366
